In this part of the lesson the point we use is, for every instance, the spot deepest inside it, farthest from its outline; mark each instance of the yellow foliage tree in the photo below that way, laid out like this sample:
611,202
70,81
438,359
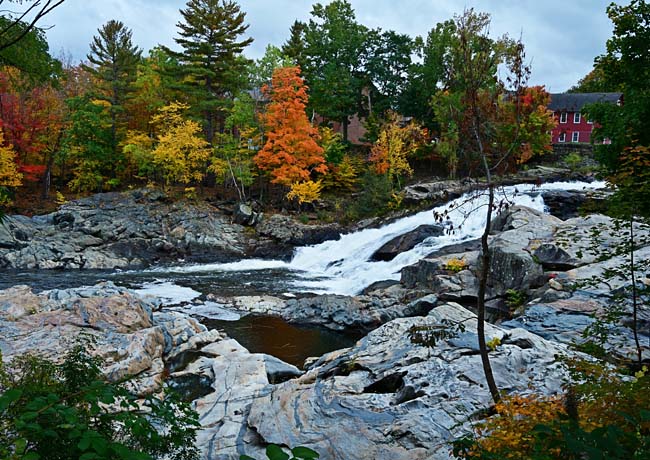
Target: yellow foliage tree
182,155
305,192
395,143
9,175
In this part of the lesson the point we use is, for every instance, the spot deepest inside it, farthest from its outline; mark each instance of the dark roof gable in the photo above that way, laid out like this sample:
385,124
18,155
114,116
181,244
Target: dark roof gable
574,102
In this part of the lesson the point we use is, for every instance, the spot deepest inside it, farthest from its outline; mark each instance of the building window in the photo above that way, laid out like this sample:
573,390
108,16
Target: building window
563,117
575,137
591,122
562,137
576,117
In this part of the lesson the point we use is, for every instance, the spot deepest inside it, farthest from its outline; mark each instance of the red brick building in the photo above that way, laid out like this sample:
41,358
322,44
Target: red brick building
572,125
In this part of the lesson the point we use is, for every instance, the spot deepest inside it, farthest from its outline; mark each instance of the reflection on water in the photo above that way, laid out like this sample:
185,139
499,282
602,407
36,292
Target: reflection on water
258,334
274,336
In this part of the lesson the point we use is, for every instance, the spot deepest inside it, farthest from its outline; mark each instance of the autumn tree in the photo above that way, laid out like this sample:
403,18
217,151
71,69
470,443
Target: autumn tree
181,154
114,61
291,152
397,141
32,116
211,59
485,139
153,88
9,175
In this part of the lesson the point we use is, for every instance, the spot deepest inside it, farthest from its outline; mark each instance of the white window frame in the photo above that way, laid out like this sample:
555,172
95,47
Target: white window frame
576,117
575,136
562,137
590,122
563,117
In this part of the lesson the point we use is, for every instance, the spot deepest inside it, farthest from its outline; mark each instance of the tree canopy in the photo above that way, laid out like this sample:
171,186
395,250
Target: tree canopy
211,57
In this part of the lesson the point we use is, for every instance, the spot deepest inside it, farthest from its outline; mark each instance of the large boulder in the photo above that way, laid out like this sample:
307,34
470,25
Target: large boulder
388,398
337,312
119,230
406,242
121,328
566,204
433,274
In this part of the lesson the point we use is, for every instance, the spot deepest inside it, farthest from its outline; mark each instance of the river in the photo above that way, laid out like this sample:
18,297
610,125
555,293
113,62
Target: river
340,266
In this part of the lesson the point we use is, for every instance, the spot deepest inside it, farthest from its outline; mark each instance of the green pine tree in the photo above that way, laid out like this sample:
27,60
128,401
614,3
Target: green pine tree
294,47
211,60
114,61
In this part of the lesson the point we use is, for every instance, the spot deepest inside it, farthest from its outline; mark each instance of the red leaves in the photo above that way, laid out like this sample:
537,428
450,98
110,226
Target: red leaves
32,173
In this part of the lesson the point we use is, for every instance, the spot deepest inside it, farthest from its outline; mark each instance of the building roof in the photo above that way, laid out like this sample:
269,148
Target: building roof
574,102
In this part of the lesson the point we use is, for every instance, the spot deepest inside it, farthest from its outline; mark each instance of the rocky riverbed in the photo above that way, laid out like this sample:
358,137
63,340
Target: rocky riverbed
143,227
383,397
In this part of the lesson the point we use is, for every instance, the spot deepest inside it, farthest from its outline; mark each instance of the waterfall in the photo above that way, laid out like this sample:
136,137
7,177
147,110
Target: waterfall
343,266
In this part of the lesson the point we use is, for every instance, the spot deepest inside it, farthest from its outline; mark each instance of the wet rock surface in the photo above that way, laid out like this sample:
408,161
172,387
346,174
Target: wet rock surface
143,227
406,242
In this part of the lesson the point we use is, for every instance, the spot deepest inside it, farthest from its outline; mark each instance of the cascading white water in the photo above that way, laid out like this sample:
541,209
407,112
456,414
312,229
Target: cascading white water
343,266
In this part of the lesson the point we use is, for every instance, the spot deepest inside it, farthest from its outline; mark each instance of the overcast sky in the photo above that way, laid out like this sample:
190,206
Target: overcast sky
561,37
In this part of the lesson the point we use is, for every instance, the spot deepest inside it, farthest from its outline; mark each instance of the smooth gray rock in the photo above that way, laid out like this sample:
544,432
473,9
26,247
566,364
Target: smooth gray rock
406,242
553,257
387,398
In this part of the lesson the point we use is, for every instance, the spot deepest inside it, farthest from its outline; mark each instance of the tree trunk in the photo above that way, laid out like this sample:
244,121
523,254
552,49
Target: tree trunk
635,307
344,124
480,303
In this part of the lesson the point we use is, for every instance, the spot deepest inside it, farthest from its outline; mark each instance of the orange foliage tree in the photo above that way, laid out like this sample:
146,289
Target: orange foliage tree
291,152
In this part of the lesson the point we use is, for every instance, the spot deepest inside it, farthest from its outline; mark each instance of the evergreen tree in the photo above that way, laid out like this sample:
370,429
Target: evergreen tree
294,47
334,65
115,60
211,60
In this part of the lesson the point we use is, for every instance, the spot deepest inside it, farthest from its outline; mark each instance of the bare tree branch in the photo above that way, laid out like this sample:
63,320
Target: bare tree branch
24,21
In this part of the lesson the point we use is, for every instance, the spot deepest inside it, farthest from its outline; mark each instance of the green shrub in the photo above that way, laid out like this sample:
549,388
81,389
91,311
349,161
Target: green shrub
375,196
515,298
52,411
274,452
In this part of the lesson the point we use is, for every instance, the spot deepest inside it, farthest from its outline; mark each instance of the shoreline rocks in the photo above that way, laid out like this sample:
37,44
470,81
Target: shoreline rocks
139,228
385,397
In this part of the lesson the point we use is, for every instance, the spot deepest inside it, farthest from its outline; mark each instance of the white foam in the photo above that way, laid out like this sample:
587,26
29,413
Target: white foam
211,310
239,266
168,292
343,266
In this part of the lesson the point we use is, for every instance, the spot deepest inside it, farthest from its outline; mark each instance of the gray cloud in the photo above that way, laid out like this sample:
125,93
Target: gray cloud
562,38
